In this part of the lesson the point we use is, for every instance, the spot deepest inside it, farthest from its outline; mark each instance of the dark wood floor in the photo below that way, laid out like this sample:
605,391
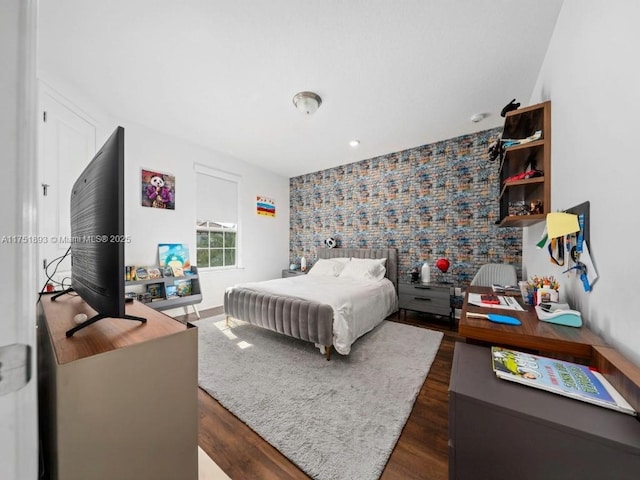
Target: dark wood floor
421,451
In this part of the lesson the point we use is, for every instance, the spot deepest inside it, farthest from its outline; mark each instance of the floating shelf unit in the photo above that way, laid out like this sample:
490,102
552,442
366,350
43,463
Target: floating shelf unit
536,155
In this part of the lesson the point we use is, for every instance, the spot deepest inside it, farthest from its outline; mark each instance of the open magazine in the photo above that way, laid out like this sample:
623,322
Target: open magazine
558,376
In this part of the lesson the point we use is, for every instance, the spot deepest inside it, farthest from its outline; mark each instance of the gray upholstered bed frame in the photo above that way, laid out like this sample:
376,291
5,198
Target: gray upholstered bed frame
302,319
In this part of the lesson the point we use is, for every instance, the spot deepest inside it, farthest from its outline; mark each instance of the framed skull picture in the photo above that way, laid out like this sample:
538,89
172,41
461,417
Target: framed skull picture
158,190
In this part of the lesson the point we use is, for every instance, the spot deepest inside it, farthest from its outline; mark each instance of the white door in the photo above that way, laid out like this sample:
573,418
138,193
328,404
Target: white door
18,392
67,144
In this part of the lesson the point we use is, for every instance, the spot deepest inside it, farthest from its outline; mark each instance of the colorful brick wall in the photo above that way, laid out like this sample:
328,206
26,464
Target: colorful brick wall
433,201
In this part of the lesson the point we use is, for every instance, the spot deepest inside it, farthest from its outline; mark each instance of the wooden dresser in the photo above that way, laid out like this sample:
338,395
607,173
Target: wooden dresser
118,399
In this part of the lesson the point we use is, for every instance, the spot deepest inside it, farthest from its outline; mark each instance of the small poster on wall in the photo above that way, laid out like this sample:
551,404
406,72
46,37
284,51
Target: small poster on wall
158,190
266,206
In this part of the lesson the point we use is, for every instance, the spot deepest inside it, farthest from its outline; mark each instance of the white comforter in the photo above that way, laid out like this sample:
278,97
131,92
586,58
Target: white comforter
358,305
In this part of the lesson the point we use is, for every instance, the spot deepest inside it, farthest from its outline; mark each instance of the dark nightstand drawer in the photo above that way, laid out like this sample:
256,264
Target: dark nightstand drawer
425,304
428,298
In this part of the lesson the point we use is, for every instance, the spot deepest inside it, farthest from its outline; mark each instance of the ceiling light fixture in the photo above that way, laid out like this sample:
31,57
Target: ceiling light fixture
307,102
354,143
478,117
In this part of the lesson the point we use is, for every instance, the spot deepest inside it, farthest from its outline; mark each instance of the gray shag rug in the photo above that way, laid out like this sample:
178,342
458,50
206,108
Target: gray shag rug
337,419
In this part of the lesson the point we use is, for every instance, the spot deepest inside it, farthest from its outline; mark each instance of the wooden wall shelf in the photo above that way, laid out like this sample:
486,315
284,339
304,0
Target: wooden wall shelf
517,159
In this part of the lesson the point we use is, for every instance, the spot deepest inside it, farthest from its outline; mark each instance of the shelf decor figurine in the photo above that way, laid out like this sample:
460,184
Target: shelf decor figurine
425,274
443,265
415,275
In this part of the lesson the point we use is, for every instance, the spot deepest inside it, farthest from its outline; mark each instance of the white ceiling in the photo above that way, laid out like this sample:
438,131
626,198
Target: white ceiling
394,74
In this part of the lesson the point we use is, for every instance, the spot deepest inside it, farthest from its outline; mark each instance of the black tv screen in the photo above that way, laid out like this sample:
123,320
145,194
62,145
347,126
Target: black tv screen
97,233
97,229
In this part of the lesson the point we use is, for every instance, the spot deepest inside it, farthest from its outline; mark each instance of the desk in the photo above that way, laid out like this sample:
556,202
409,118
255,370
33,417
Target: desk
546,338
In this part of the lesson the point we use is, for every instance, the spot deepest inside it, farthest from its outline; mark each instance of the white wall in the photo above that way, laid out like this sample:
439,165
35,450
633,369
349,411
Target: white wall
592,76
264,246
264,241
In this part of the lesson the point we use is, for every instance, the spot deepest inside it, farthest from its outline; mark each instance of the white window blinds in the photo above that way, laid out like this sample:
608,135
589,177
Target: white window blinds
217,196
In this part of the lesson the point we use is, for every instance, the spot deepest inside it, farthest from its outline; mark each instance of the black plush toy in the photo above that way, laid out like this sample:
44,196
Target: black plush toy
510,106
495,149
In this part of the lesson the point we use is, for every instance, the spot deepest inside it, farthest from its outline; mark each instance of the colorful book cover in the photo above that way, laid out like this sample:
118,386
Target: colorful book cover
173,255
177,271
141,273
558,376
172,291
183,288
154,272
155,290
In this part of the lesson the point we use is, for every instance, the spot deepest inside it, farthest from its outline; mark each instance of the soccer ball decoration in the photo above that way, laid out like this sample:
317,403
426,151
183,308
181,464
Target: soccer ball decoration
443,265
330,242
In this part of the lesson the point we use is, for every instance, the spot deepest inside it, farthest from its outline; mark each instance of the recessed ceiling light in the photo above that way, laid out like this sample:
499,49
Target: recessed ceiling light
354,143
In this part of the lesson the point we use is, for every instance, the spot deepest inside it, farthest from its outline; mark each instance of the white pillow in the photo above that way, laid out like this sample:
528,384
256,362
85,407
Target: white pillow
324,267
341,259
364,269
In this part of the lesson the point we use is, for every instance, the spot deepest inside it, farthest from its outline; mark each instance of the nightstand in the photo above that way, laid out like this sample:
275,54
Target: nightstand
292,273
433,298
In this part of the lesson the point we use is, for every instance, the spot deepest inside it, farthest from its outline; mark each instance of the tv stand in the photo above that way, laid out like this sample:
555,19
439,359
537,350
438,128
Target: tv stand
59,294
100,316
117,401
95,318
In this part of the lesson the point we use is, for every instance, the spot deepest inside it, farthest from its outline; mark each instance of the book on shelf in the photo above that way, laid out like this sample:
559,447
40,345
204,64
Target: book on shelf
155,290
172,291
558,376
154,272
141,273
177,271
183,287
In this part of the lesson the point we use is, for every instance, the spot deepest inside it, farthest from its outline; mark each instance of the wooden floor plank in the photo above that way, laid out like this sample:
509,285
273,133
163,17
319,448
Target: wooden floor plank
420,453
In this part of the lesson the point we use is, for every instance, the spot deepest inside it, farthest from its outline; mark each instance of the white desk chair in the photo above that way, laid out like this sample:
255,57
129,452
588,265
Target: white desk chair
499,273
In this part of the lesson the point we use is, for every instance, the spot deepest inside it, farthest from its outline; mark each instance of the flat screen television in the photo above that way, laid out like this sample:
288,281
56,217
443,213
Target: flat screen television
97,234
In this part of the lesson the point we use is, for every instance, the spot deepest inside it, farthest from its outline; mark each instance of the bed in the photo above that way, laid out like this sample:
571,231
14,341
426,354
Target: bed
322,307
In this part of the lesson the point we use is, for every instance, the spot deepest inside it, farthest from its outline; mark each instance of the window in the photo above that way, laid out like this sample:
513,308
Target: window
216,245
216,218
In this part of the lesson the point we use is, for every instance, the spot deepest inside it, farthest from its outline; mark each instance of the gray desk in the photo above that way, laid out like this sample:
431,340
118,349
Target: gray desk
502,430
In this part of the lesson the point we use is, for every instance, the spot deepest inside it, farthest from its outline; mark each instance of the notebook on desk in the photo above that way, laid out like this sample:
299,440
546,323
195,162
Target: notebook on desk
505,302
